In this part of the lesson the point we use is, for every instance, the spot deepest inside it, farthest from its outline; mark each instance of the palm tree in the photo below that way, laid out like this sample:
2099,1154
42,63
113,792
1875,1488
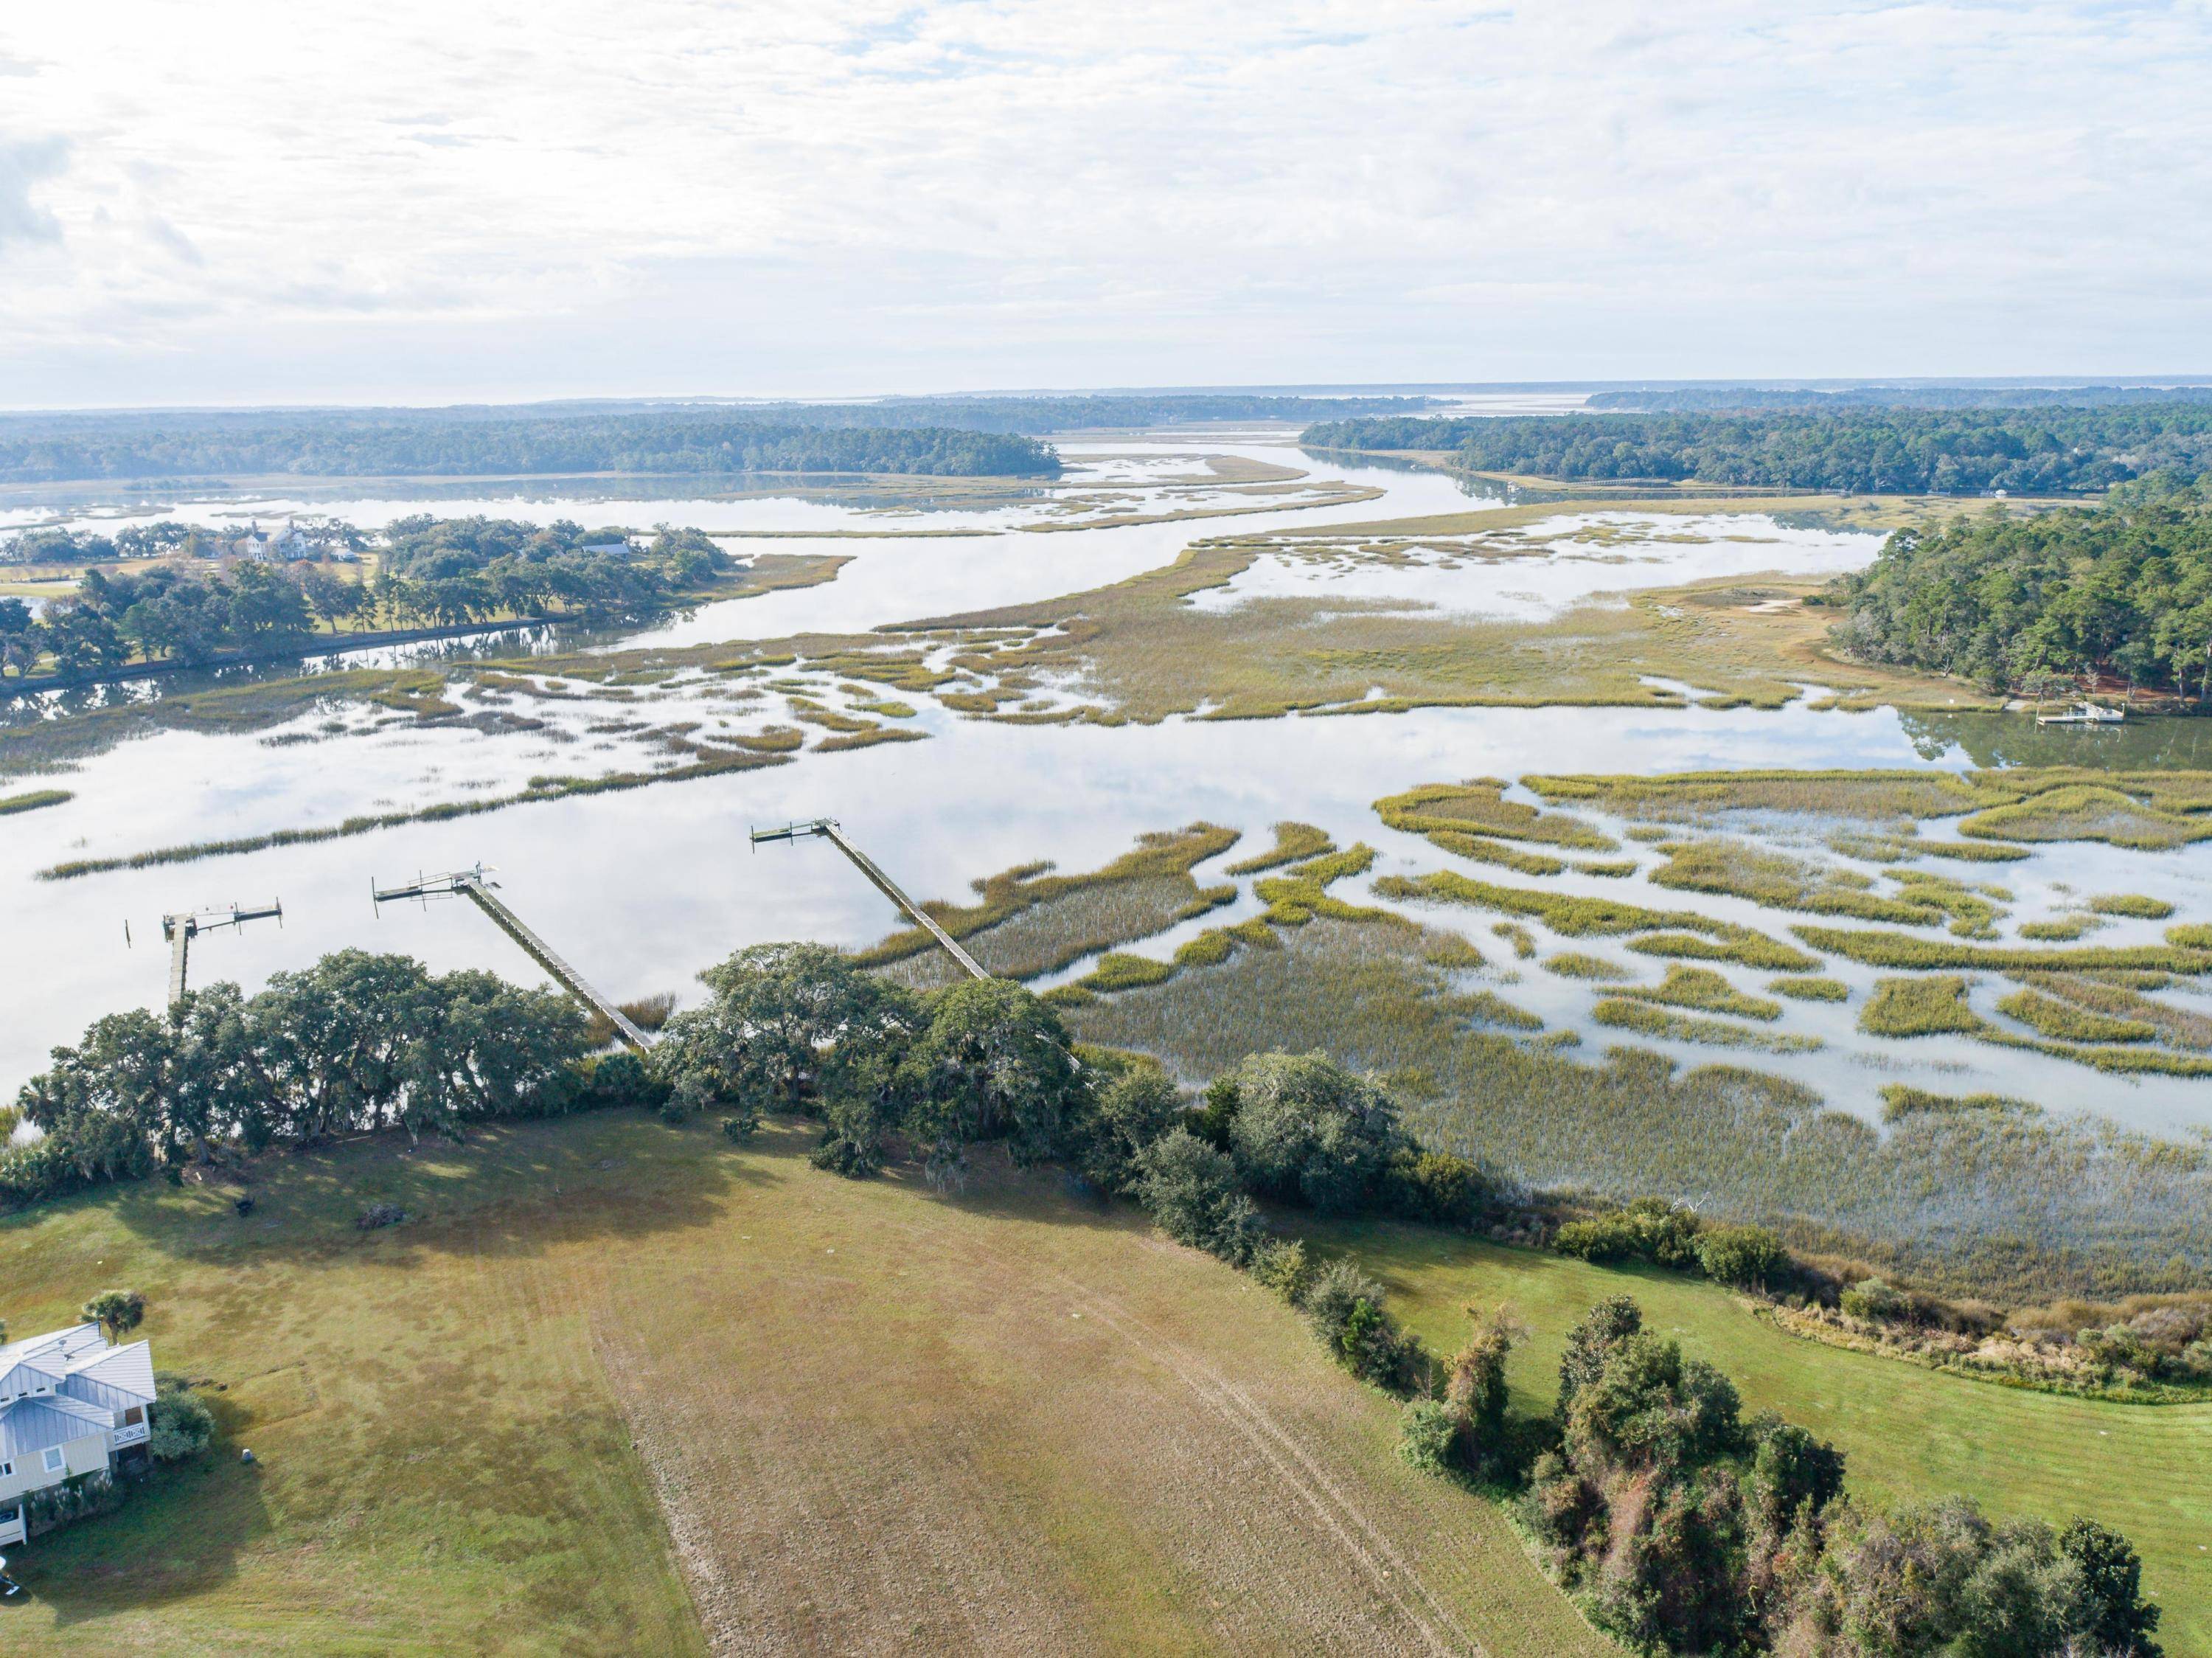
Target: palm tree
117,1312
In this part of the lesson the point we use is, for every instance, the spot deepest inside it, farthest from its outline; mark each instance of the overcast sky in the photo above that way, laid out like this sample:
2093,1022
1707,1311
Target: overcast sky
226,202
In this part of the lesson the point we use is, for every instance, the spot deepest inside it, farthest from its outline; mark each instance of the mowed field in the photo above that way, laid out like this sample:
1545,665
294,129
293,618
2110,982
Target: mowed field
617,1387
1908,1432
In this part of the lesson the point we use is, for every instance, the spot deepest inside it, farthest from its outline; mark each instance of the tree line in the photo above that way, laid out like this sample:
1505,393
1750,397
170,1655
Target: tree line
430,572
1676,399
185,447
2125,588
192,443
1678,1523
1890,450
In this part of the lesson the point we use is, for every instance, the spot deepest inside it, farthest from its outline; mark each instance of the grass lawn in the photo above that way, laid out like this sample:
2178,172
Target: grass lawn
619,1387
1908,1432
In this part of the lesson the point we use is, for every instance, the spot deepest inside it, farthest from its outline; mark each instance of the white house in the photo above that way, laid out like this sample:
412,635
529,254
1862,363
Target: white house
69,1404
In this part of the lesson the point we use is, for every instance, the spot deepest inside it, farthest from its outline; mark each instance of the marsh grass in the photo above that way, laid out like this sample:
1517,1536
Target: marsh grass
1138,894
2091,812
1899,1101
869,739
1738,944
1645,1020
1870,948
2060,930
539,789
2175,1026
1807,989
2138,905
1573,963
2052,1202
1148,654
1706,991
2064,1021
1479,807
1293,841
1919,1007
1117,971
1480,849
32,801
1777,880
1876,796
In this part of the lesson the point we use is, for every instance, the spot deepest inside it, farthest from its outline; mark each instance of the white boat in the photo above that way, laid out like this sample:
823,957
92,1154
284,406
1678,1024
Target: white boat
2084,714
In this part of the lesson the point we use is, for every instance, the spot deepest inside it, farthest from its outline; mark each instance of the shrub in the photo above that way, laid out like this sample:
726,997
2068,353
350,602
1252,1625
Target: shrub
1876,1302
378,1216
1346,1308
1308,1131
1437,1187
840,1155
1428,1434
1192,1191
180,1426
95,1493
1282,1266
617,1080
739,1129
1648,1229
1748,1256
1135,1104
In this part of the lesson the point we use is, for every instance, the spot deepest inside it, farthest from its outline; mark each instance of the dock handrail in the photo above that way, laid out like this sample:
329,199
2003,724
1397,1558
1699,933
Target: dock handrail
829,830
476,886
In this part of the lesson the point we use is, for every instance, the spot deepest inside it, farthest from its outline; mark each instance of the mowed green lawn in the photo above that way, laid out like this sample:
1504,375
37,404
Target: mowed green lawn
1908,1432
617,1387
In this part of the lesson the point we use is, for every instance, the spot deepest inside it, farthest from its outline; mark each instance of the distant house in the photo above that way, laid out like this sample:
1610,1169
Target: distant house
273,546
69,1405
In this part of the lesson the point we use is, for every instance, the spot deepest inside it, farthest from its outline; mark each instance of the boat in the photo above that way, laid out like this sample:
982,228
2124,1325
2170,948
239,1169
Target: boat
2084,714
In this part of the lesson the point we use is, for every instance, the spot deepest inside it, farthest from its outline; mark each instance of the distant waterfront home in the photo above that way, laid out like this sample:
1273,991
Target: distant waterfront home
69,1405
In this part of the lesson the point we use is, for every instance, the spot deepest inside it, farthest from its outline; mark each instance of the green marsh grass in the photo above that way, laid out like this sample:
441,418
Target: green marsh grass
1919,1007
2185,952
31,802
1645,1020
2175,1026
1573,963
2060,930
1805,988
1900,1102
1479,807
1139,893
1293,842
1737,944
2139,905
1706,992
2062,1022
2057,1203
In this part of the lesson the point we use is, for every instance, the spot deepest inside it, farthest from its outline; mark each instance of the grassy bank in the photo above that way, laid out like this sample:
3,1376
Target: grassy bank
1908,1432
605,1359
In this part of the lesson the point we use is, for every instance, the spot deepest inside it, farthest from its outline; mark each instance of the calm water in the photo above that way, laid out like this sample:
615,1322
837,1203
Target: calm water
644,889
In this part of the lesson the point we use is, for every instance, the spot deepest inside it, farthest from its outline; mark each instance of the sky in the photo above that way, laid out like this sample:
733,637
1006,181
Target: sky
229,202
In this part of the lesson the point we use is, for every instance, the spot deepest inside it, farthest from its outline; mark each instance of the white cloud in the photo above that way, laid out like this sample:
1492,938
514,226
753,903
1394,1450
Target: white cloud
400,199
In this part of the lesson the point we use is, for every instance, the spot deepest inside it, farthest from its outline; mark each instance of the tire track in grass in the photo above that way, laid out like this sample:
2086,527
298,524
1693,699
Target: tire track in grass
1363,1541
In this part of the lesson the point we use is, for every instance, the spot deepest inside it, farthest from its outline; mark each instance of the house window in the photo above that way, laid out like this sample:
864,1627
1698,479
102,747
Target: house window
134,1415
7,1470
54,1458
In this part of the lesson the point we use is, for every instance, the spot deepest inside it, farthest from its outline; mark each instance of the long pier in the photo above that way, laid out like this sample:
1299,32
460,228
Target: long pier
830,831
472,884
